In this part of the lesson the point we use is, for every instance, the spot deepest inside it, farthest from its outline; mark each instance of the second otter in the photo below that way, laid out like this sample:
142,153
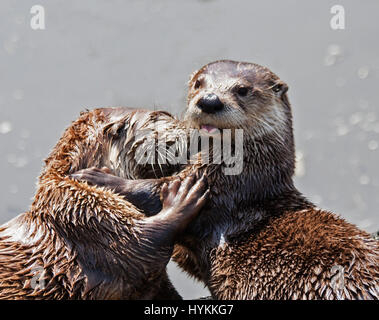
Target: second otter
83,242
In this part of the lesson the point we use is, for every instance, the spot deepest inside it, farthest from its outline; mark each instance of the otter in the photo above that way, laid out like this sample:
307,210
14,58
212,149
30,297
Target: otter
83,242
258,237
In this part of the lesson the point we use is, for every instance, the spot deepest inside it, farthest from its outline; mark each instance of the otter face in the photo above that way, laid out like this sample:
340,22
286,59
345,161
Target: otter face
229,95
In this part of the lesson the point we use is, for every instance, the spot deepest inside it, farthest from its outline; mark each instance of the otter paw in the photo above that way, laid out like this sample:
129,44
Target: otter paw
98,177
183,200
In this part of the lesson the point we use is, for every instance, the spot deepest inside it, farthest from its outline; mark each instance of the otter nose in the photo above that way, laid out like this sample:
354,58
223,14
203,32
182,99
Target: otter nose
210,103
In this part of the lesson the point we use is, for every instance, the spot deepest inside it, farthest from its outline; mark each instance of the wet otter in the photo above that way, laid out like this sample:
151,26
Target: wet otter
258,237
82,242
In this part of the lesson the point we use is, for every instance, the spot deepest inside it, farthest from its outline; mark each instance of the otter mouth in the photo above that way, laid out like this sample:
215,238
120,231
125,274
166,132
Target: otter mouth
209,129
206,125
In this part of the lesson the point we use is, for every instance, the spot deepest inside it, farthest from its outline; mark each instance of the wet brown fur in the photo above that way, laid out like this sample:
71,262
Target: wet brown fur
259,237
79,241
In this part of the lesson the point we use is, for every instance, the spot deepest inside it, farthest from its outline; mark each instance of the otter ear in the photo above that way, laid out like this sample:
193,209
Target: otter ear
280,88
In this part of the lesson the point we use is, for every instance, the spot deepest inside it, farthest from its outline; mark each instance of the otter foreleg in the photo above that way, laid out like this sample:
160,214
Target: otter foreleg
181,202
143,193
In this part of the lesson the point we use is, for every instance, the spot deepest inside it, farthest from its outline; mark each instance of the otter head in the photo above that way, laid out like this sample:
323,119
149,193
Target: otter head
229,94
238,95
130,139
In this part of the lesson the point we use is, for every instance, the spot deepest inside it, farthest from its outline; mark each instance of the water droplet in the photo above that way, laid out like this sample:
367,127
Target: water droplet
364,179
5,127
373,145
334,50
330,60
355,118
342,130
363,72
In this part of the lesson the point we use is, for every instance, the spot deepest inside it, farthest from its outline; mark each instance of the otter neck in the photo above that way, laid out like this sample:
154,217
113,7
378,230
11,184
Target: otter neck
264,188
267,170
268,167
242,203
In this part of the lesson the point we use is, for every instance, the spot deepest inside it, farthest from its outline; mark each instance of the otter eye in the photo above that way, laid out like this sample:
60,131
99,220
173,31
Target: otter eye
242,91
197,84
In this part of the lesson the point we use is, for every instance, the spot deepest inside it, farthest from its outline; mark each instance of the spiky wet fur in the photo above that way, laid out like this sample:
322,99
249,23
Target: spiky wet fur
78,241
259,238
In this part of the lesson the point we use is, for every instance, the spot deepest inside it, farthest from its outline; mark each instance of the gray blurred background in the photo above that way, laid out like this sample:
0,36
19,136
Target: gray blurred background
140,53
